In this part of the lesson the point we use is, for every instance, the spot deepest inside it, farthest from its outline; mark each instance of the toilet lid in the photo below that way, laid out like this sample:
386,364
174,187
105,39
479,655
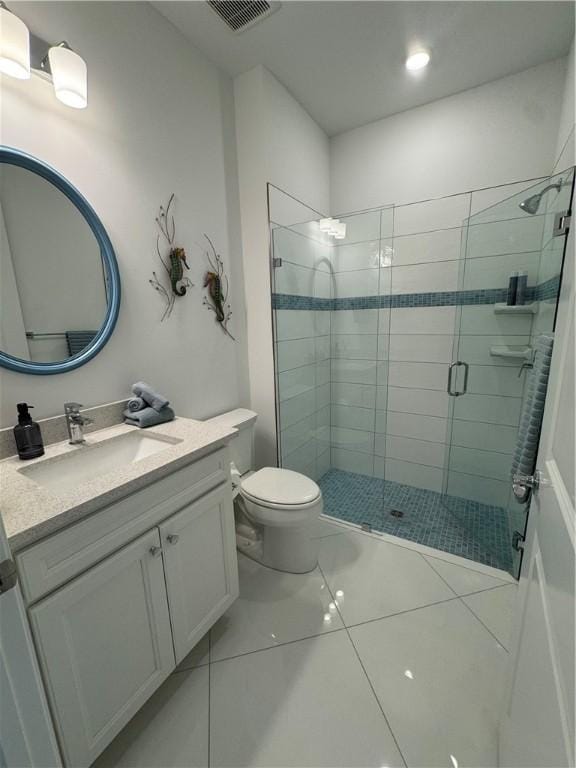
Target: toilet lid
281,486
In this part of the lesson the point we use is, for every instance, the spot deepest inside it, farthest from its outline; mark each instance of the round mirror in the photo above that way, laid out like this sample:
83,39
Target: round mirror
59,280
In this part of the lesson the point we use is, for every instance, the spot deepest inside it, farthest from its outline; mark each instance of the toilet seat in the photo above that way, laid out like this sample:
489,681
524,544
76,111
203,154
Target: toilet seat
280,489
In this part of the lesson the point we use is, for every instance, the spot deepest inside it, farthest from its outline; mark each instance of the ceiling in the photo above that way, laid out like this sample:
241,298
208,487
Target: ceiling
344,61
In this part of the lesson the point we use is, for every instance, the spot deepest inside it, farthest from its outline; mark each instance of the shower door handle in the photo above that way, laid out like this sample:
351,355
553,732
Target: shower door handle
451,367
449,384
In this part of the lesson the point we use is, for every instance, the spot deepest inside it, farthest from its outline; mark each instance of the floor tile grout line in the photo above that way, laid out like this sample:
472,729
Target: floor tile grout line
328,535
178,670
437,573
278,645
486,627
401,613
469,594
378,702
481,591
476,591
480,573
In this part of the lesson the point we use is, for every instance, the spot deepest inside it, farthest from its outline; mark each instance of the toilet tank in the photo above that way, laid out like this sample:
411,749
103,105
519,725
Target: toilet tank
242,445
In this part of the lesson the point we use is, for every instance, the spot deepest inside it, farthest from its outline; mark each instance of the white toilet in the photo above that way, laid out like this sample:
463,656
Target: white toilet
275,509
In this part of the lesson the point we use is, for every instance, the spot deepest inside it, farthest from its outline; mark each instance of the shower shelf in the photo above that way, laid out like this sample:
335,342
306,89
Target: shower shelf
518,353
516,309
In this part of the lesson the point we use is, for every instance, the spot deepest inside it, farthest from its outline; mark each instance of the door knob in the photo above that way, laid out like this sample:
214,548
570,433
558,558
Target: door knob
523,484
172,538
530,481
155,551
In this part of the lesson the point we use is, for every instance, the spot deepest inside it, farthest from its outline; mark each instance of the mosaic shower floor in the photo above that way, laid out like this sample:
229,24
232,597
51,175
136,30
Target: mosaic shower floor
476,531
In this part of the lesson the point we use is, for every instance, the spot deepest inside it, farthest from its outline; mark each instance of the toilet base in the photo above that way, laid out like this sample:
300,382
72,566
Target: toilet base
291,550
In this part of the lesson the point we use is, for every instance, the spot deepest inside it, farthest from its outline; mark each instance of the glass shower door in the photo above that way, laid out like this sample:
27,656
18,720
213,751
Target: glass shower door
493,356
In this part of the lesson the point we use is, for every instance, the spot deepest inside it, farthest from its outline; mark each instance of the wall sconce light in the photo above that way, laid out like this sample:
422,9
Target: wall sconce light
14,45
69,74
22,53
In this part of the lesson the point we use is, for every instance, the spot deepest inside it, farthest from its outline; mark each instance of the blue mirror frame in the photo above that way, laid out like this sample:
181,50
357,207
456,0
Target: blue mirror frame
10,156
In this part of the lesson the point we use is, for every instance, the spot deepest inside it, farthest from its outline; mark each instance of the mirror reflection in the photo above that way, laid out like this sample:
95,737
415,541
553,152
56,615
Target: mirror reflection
53,296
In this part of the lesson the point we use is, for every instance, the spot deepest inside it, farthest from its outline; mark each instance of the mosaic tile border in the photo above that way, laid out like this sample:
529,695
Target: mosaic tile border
544,291
547,290
292,301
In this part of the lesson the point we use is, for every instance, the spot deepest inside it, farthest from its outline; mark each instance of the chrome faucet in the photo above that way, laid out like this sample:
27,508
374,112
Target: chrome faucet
75,422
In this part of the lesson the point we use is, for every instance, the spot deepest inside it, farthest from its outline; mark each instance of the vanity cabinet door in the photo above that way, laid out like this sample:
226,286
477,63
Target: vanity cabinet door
105,645
201,566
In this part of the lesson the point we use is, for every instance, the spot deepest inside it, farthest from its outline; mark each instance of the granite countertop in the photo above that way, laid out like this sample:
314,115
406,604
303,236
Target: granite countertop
30,511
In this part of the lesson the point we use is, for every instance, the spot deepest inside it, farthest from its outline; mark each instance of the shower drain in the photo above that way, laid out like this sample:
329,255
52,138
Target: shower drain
396,513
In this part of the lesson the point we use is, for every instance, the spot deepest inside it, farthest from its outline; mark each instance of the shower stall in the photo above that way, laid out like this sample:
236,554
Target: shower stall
402,353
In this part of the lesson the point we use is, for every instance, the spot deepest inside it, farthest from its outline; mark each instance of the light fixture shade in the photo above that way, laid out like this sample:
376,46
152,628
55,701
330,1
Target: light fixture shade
14,46
340,231
70,76
325,225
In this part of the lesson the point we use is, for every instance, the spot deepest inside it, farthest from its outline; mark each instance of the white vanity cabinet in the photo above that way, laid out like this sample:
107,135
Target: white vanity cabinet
105,646
113,615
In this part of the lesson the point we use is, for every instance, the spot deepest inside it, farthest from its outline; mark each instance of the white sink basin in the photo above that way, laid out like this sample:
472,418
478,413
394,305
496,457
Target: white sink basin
90,461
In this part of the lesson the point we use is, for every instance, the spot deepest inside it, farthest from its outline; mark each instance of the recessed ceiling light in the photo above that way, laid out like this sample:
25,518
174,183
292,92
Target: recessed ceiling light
417,61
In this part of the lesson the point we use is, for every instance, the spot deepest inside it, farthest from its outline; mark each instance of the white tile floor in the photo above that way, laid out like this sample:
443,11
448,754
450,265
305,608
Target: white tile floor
383,656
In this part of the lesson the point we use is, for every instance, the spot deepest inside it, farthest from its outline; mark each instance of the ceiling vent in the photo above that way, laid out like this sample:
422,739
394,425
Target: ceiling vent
239,15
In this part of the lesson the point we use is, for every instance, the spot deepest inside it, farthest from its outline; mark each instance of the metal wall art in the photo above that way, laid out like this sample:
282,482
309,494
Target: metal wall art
173,263
216,282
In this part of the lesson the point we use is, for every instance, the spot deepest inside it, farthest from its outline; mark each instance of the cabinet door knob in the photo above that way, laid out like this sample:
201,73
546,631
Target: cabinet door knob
155,551
173,538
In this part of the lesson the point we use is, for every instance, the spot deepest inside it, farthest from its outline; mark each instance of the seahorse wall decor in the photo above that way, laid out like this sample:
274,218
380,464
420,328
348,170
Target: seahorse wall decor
173,264
217,284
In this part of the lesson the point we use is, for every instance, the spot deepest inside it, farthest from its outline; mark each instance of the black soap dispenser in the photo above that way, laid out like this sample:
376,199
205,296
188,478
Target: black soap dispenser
27,434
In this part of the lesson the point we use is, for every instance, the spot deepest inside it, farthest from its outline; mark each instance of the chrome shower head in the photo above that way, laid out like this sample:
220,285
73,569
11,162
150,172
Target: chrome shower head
531,204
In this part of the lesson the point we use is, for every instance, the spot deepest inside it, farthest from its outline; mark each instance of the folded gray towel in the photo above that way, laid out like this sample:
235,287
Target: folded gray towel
148,417
154,399
136,404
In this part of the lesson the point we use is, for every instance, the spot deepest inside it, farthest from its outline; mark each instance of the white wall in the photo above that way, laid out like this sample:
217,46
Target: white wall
494,134
160,119
278,142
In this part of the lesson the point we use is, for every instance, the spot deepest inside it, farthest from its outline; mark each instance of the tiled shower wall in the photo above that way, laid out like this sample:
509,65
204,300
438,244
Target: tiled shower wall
410,289
359,343
303,350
